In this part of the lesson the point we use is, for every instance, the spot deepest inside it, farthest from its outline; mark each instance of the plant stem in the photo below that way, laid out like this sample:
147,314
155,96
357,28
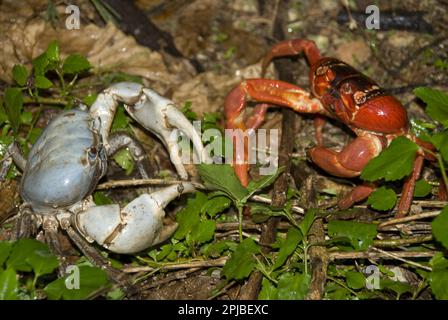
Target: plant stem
44,101
342,285
441,165
240,222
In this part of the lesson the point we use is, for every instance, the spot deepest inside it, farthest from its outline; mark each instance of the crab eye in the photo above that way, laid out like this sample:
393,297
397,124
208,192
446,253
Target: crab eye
346,88
92,153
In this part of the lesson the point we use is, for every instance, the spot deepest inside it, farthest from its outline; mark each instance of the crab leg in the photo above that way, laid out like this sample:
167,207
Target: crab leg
263,91
292,48
133,228
154,112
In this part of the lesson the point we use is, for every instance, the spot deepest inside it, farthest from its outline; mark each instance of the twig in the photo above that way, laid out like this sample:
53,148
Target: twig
395,256
144,182
380,255
401,242
409,218
182,274
223,290
174,266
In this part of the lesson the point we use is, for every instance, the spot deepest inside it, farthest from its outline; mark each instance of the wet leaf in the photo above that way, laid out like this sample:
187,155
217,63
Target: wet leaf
293,238
422,188
91,280
359,235
439,227
8,284
242,261
393,163
293,286
437,103
382,199
20,74
75,63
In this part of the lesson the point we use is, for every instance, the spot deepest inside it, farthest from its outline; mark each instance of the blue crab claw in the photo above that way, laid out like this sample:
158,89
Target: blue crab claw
135,227
156,114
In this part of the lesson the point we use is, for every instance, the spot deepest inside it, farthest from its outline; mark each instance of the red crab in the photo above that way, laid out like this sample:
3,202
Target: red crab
340,92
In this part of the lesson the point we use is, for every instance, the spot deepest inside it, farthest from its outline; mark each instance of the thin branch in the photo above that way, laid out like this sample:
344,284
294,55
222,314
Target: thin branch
175,266
414,217
380,255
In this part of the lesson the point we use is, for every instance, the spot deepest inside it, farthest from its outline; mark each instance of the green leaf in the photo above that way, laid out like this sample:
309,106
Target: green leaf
439,227
438,280
215,249
42,261
422,188
42,83
188,217
203,231
293,238
164,252
242,261
393,163
360,235
396,286
307,222
90,99
437,103
9,284
121,120
355,280
40,64
293,286
14,106
100,198
20,74
268,291
30,254
222,177
263,182
53,51
438,262
5,249
440,141
26,117
216,205
22,249
91,280
124,159
382,199
75,63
